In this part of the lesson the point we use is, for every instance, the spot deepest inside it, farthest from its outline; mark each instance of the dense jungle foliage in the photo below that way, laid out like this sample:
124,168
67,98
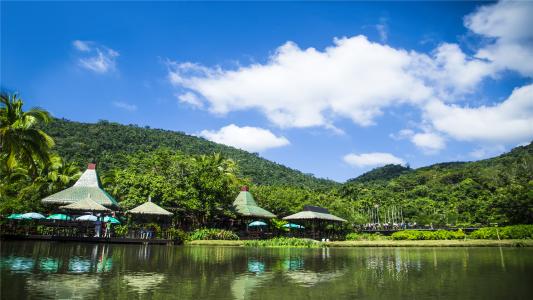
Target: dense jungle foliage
198,179
108,144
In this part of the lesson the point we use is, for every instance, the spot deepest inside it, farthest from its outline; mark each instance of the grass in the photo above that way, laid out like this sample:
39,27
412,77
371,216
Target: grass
215,243
433,243
376,243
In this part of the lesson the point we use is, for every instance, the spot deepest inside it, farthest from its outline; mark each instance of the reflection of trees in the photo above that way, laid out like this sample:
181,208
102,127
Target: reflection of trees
63,286
163,272
143,282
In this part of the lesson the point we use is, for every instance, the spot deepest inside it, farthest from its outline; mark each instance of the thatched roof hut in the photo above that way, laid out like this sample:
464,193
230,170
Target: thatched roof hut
246,206
150,208
86,204
88,184
314,213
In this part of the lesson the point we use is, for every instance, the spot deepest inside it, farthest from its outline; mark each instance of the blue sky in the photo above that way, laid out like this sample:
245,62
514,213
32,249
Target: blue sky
333,89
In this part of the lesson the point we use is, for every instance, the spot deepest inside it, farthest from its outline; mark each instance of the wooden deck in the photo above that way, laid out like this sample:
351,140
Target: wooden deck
114,240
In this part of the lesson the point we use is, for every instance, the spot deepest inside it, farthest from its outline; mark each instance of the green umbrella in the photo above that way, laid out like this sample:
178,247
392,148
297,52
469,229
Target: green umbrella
61,217
111,220
15,217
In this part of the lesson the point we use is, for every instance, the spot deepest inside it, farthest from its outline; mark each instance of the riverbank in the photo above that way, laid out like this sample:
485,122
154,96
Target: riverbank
391,243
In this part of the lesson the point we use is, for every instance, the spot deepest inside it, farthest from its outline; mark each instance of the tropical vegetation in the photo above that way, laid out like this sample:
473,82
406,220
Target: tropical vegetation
197,179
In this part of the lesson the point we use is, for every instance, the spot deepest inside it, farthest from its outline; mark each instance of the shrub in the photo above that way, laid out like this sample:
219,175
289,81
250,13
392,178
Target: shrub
428,235
284,242
355,236
212,234
121,230
507,232
176,234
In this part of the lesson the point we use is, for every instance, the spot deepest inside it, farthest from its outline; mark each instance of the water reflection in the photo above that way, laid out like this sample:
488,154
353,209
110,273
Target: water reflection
67,270
143,282
64,286
18,264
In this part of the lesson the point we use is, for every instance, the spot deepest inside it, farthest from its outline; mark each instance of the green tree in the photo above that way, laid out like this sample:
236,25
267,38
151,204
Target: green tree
22,143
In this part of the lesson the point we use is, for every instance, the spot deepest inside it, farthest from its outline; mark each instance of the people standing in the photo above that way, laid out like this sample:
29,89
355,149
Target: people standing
97,226
108,230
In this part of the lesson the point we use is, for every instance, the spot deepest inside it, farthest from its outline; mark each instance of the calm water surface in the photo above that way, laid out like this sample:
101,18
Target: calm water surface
48,270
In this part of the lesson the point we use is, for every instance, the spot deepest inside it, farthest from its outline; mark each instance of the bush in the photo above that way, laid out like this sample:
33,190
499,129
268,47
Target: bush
212,234
176,234
284,242
428,235
354,236
121,230
507,232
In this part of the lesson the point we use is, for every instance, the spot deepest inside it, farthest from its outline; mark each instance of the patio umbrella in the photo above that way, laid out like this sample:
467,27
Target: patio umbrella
292,225
87,218
15,216
257,223
33,216
111,220
61,217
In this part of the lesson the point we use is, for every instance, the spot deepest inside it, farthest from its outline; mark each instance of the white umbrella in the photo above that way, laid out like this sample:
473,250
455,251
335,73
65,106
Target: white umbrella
33,215
87,218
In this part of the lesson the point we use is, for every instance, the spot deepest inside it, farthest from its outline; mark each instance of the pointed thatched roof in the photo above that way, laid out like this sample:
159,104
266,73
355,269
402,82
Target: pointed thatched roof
86,204
150,208
314,213
88,184
245,205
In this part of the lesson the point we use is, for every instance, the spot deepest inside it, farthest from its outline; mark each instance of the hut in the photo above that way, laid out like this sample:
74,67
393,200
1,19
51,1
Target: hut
314,215
85,205
246,207
87,184
151,209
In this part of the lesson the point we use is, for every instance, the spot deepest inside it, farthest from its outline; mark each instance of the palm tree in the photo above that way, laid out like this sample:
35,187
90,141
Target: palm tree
21,142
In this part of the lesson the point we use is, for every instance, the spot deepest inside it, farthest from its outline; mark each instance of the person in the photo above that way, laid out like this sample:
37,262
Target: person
108,230
97,226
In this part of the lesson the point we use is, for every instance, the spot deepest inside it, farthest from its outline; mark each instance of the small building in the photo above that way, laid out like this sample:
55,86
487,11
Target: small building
88,185
246,206
315,216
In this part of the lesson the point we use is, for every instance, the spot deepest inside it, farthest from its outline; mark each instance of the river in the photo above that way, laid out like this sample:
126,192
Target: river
50,270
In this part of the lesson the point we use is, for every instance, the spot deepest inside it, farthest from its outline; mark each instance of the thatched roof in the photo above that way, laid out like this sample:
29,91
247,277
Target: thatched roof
86,204
88,184
245,205
314,213
150,208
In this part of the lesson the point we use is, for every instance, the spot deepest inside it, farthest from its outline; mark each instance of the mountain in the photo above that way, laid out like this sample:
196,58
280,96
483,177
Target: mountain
384,173
106,143
505,163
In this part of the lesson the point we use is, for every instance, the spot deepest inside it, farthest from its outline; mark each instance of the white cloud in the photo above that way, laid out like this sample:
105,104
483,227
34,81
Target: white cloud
81,45
354,78
486,151
358,79
429,142
510,121
97,58
373,159
247,138
452,71
125,106
509,24
191,99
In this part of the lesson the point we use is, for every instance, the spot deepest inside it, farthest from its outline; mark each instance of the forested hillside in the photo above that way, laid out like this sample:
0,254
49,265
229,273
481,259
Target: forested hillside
497,190
106,143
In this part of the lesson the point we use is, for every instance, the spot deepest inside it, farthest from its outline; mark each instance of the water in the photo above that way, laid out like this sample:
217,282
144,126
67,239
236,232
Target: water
47,270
